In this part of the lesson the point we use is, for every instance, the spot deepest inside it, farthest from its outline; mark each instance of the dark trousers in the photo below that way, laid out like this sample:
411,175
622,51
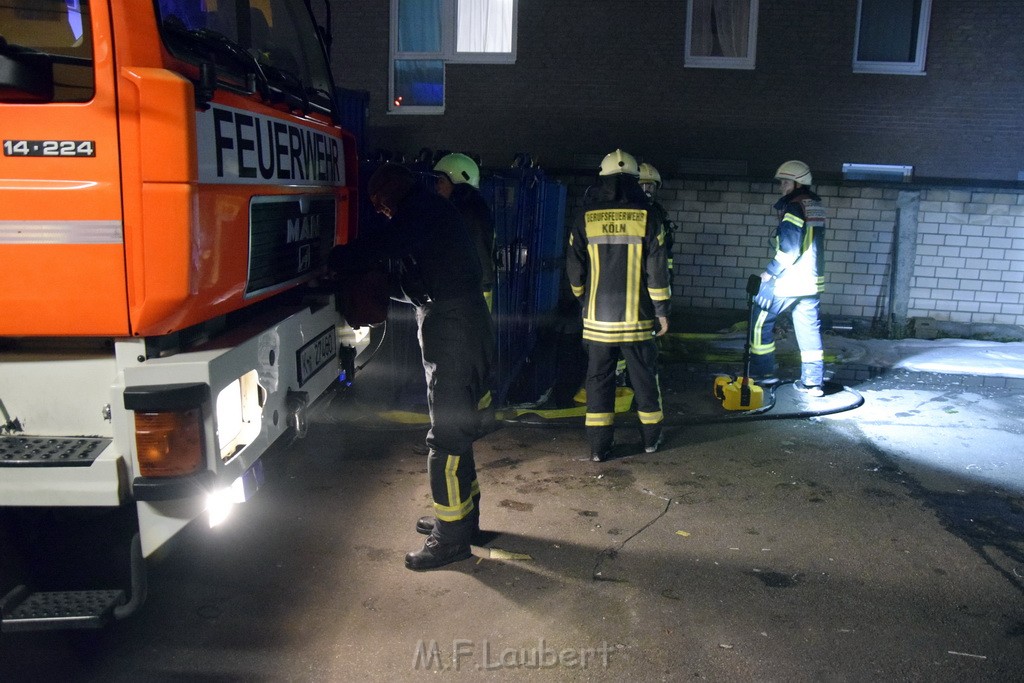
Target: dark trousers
642,363
457,343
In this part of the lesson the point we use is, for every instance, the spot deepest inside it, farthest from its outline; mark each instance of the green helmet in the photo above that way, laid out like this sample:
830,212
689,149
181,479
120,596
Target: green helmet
459,168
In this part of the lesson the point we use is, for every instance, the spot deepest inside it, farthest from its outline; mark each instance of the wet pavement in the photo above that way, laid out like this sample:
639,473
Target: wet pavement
874,534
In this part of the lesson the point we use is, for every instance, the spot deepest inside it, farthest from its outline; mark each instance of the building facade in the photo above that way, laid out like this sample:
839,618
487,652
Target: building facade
945,241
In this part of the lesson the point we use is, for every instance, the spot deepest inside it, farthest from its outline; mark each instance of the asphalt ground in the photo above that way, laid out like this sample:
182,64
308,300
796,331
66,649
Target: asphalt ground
882,539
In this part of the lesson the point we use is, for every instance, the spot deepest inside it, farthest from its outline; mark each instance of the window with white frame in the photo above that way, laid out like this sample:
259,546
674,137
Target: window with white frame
428,34
892,36
721,34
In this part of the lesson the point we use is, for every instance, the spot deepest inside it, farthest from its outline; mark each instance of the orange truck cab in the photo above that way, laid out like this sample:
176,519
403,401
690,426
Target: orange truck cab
172,180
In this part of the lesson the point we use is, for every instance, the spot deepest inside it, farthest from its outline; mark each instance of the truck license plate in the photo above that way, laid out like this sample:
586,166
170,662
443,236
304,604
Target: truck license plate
317,353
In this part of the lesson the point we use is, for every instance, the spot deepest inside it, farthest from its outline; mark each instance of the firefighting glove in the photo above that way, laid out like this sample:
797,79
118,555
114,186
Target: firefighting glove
765,294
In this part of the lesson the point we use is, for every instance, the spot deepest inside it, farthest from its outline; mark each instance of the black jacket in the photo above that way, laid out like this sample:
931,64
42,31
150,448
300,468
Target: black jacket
477,216
617,267
428,238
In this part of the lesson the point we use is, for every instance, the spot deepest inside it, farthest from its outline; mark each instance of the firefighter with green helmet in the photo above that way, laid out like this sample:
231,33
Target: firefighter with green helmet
458,181
617,268
440,276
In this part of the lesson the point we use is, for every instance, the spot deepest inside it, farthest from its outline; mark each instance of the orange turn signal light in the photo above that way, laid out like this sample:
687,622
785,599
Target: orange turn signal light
169,444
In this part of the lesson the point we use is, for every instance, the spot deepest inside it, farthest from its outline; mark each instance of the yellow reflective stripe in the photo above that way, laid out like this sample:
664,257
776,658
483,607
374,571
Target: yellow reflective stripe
650,418
577,291
628,312
756,346
812,356
616,338
451,481
453,513
489,300
572,239
633,272
600,419
808,239
484,402
595,275
794,219
615,326
660,293
458,506
661,238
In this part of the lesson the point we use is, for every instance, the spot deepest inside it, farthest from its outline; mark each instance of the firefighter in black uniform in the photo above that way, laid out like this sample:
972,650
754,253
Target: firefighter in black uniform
617,268
440,276
458,181
793,280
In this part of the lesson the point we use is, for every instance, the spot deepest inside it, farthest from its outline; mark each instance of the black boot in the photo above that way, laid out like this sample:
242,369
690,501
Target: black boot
435,554
600,440
425,526
652,437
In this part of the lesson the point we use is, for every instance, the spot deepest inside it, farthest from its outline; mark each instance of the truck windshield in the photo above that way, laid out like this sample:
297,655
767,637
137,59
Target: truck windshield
273,41
45,51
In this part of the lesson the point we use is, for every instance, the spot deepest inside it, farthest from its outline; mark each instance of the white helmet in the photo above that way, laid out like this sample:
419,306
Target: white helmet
797,171
619,162
649,174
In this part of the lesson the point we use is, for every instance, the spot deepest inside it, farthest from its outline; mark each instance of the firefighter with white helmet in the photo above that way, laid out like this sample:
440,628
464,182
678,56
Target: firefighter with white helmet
616,265
797,171
793,281
619,162
650,183
650,179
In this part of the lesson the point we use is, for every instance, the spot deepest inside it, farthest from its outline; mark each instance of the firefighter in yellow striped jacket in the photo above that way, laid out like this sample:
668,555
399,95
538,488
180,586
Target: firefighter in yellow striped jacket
618,269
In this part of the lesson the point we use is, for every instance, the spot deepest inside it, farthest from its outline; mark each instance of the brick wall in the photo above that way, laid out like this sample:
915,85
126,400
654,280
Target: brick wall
968,254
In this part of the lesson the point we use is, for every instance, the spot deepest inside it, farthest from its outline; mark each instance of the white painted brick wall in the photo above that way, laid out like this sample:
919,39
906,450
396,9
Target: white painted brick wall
968,265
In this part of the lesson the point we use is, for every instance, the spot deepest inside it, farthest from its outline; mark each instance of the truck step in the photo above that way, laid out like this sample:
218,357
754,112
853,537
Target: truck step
49,451
47,610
